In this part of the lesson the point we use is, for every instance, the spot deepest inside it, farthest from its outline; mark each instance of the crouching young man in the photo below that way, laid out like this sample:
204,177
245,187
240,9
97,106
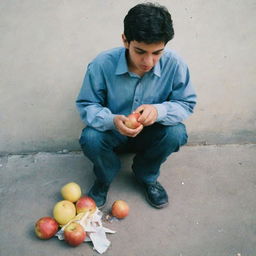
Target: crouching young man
141,77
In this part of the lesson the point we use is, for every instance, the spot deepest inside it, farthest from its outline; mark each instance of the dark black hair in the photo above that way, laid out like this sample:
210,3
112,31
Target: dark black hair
148,23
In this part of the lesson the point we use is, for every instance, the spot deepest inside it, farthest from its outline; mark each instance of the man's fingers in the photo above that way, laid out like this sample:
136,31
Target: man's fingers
136,131
145,115
148,114
123,129
132,132
139,109
150,119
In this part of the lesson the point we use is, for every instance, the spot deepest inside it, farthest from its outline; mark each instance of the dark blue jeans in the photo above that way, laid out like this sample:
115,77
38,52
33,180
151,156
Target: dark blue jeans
151,147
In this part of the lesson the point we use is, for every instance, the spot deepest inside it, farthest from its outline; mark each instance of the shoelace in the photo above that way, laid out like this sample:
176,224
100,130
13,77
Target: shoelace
156,186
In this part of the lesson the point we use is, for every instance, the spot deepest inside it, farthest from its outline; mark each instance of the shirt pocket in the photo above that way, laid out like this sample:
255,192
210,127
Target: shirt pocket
152,100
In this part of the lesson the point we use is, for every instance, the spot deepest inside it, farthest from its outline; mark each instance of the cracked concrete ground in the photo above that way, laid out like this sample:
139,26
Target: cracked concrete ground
211,213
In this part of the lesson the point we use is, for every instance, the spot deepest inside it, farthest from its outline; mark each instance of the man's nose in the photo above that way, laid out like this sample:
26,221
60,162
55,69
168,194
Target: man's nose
148,60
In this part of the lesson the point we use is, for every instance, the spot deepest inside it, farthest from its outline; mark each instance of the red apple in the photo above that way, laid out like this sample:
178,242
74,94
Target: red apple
46,227
74,234
120,209
85,204
132,121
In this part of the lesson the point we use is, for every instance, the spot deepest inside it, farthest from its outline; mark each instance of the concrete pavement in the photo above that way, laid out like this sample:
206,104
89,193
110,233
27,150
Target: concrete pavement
212,207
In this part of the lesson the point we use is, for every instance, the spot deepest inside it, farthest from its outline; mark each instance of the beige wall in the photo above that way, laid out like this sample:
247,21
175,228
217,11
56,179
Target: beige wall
45,47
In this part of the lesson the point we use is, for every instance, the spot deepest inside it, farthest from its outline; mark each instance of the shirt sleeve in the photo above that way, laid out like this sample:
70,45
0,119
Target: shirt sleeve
182,99
91,99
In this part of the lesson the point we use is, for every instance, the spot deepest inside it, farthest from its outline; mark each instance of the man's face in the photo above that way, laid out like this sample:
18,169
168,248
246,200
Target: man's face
143,57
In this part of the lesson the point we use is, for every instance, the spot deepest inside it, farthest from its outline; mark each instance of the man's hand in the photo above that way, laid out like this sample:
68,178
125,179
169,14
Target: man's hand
148,114
119,123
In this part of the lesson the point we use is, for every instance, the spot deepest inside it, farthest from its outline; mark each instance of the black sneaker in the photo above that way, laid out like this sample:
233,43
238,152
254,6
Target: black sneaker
156,195
98,193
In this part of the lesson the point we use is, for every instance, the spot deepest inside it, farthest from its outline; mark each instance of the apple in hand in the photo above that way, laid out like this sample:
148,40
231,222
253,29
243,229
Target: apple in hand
74,234
46,227
85,204
64,211
120,209
132,121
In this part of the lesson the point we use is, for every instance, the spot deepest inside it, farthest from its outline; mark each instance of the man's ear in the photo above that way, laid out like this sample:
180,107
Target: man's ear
125,42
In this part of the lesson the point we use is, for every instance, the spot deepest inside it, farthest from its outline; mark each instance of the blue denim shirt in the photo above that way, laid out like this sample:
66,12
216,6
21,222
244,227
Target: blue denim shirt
109,89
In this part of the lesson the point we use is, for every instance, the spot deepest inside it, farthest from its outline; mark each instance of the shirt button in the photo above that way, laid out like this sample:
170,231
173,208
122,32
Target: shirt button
136,100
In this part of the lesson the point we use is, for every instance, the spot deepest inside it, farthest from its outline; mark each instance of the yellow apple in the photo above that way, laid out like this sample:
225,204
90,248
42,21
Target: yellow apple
64,211
71,192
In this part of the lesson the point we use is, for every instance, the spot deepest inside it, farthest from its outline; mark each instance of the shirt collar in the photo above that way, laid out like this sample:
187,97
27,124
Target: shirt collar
122,66
157,69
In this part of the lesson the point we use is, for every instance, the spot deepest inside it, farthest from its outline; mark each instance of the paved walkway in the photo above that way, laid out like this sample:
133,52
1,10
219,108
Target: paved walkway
212,212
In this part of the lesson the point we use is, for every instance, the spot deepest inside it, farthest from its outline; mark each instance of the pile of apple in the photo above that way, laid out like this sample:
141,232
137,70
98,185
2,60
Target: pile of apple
65,212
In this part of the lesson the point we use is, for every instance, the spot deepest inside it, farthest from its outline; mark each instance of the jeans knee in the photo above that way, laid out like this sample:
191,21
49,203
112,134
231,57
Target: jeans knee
97,142
90,138
176,135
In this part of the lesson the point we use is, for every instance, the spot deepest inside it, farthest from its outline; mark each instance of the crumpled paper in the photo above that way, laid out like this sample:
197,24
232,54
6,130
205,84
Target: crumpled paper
95,232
